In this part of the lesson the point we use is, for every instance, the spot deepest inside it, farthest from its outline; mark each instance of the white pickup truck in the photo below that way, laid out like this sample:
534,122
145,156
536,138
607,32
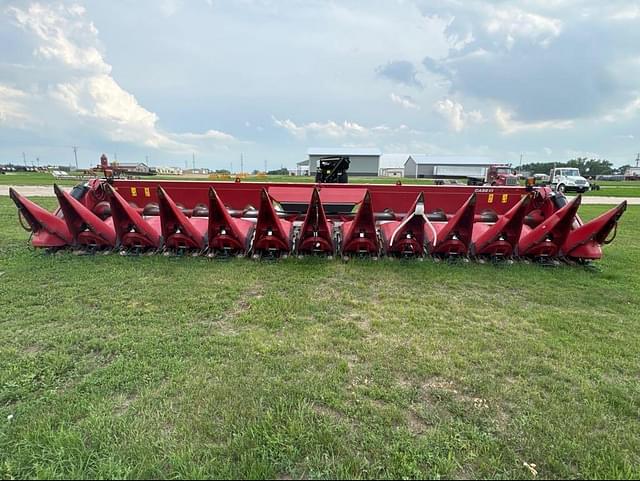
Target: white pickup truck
567,179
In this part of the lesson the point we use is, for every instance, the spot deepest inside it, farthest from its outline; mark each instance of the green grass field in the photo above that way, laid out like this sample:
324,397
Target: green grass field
157,367
33,178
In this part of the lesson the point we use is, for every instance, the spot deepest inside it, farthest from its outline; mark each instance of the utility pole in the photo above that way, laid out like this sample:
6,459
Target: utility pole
231,167
241,163
520,170
265,166
75,154
638,160
24,159
193,155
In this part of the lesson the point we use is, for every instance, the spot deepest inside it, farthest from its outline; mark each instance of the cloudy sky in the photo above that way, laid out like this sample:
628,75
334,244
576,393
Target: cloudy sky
167,79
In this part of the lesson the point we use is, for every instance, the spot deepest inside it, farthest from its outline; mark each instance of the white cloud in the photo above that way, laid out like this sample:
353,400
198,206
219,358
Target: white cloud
404,101
631,12
329,129
343,130
64,35
626,112
68,44
510,23
508,125
12,110
455,114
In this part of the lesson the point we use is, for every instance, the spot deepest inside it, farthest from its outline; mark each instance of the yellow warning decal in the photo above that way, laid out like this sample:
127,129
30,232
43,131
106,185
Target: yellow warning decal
505,198
147,192
490,199
134,192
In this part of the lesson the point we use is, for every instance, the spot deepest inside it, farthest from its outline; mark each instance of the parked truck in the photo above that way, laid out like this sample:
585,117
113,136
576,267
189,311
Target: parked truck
568,179
495,175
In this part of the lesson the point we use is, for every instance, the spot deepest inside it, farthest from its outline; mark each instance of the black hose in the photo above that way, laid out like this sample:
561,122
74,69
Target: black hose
615,233
22,221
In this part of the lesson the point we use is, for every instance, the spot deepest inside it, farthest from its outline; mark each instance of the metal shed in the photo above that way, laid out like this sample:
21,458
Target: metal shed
446,166
364,161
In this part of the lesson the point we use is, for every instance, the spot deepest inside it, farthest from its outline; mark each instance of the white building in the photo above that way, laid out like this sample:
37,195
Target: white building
392,165
169,170
445,166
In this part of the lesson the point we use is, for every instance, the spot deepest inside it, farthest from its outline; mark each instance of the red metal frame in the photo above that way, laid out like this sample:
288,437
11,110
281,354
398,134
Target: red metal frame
273,235
397,198
221,217
359,235
407,237
316,234
225,234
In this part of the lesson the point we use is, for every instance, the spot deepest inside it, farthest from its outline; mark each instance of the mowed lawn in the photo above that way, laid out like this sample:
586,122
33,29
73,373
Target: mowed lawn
151,367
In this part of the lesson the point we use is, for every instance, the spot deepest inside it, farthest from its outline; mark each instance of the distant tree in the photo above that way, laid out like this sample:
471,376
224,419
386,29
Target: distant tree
588,167
282,171
222,171
541,167
621,170
591,167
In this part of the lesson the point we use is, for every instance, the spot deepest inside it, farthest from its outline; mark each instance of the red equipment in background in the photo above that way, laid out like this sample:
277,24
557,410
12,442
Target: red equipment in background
275,220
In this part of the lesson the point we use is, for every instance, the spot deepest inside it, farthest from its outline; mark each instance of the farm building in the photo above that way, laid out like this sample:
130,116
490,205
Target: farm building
139,167
169,170
364,162
302,167
392,165
446,166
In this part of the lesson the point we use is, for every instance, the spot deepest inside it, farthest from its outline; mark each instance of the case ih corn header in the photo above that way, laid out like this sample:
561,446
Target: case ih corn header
345,220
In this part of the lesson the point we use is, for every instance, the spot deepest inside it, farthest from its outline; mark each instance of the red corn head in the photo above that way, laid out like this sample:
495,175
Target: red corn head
406,238
501,238
359,235
316,233
547,238
177,230
48,230
454,236
87,229
585,241
226,235
273,235
132,230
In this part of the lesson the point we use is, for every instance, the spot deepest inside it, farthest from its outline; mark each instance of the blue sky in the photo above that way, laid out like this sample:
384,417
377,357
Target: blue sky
551,79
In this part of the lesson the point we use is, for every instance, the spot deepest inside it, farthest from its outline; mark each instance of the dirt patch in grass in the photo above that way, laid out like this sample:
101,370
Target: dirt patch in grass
32,349
328,412
415,424
122,404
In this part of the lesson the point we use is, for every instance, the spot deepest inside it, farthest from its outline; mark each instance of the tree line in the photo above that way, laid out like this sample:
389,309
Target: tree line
587,167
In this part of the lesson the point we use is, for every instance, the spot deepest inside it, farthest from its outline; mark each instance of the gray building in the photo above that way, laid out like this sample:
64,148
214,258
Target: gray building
364,162
445,166
139,167
392,165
